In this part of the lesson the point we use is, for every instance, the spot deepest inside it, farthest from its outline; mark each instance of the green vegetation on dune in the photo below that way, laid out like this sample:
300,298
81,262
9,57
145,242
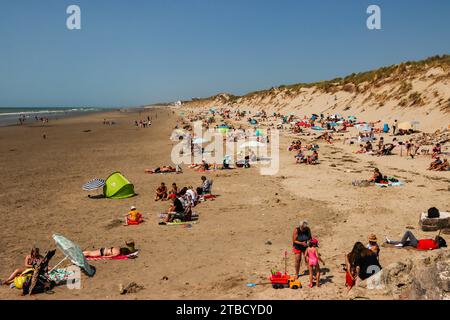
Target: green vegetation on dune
403,70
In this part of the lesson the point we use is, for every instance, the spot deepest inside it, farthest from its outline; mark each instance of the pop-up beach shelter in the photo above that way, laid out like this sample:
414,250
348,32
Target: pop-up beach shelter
118,187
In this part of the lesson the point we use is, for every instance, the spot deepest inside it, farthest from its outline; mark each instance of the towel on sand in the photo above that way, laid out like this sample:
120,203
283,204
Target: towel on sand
119,257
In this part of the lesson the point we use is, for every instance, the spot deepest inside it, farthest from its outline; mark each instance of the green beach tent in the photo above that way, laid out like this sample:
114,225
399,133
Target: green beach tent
118,187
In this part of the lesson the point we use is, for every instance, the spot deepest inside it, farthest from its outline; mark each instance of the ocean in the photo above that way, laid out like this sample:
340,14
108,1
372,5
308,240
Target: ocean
11,116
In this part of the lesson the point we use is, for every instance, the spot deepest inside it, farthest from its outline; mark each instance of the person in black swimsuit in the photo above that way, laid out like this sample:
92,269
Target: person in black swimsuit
300,238
113,251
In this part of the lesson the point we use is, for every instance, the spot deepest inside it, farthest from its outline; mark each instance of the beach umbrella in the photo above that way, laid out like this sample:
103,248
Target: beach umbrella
73,253
252,144
94,184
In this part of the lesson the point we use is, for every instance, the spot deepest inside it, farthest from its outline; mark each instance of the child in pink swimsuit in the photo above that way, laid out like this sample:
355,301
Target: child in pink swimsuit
312,258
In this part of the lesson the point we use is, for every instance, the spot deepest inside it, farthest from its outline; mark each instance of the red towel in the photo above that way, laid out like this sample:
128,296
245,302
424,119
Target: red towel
119,257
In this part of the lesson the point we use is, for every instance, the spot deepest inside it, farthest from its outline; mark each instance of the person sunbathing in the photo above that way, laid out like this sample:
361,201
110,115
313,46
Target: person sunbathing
113,251
409,239
30,260
163,169
435,164
161,192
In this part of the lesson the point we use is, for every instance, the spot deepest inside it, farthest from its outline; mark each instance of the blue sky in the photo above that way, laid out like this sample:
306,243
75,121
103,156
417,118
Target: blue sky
137,52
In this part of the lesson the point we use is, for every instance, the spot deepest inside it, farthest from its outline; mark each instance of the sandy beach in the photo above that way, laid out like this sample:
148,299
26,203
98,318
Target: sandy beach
240,236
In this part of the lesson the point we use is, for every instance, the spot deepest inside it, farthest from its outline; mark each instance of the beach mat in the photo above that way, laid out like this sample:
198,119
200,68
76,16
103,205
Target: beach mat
119,257
179,223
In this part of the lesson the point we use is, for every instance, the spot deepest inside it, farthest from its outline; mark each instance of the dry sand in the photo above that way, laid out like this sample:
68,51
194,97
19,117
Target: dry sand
216,258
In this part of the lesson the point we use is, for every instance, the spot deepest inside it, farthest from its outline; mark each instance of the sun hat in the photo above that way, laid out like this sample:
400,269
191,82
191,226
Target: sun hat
372,237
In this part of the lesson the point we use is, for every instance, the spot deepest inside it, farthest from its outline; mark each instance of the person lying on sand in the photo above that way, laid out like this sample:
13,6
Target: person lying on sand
161,192
113,251
409,239
163,169
204,166
30,260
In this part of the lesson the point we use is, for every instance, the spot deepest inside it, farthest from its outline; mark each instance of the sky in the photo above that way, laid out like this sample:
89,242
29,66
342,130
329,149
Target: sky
137,52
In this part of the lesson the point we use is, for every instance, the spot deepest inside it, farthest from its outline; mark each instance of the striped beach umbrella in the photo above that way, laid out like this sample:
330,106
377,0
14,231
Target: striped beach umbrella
94,184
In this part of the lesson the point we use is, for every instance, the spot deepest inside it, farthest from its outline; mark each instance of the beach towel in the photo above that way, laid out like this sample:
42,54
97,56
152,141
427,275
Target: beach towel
179,223
317,128
60,275
119,257
392,182
194,216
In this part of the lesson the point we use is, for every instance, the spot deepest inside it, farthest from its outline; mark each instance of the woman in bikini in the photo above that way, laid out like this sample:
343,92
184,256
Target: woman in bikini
113,251
30,260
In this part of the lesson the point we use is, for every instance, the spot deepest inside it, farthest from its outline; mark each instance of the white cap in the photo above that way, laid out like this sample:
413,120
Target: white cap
133,208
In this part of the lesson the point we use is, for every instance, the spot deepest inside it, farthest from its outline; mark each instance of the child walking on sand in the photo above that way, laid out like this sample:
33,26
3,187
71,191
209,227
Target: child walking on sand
312,258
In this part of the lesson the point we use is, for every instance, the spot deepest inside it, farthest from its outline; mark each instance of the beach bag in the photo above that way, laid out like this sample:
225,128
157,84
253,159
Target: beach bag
433,213
19,281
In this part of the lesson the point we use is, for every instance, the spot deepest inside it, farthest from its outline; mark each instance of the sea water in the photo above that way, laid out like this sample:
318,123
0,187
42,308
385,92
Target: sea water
12,116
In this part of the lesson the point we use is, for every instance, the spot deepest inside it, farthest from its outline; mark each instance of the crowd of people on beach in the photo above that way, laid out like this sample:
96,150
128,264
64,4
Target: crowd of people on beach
145,123
362,262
